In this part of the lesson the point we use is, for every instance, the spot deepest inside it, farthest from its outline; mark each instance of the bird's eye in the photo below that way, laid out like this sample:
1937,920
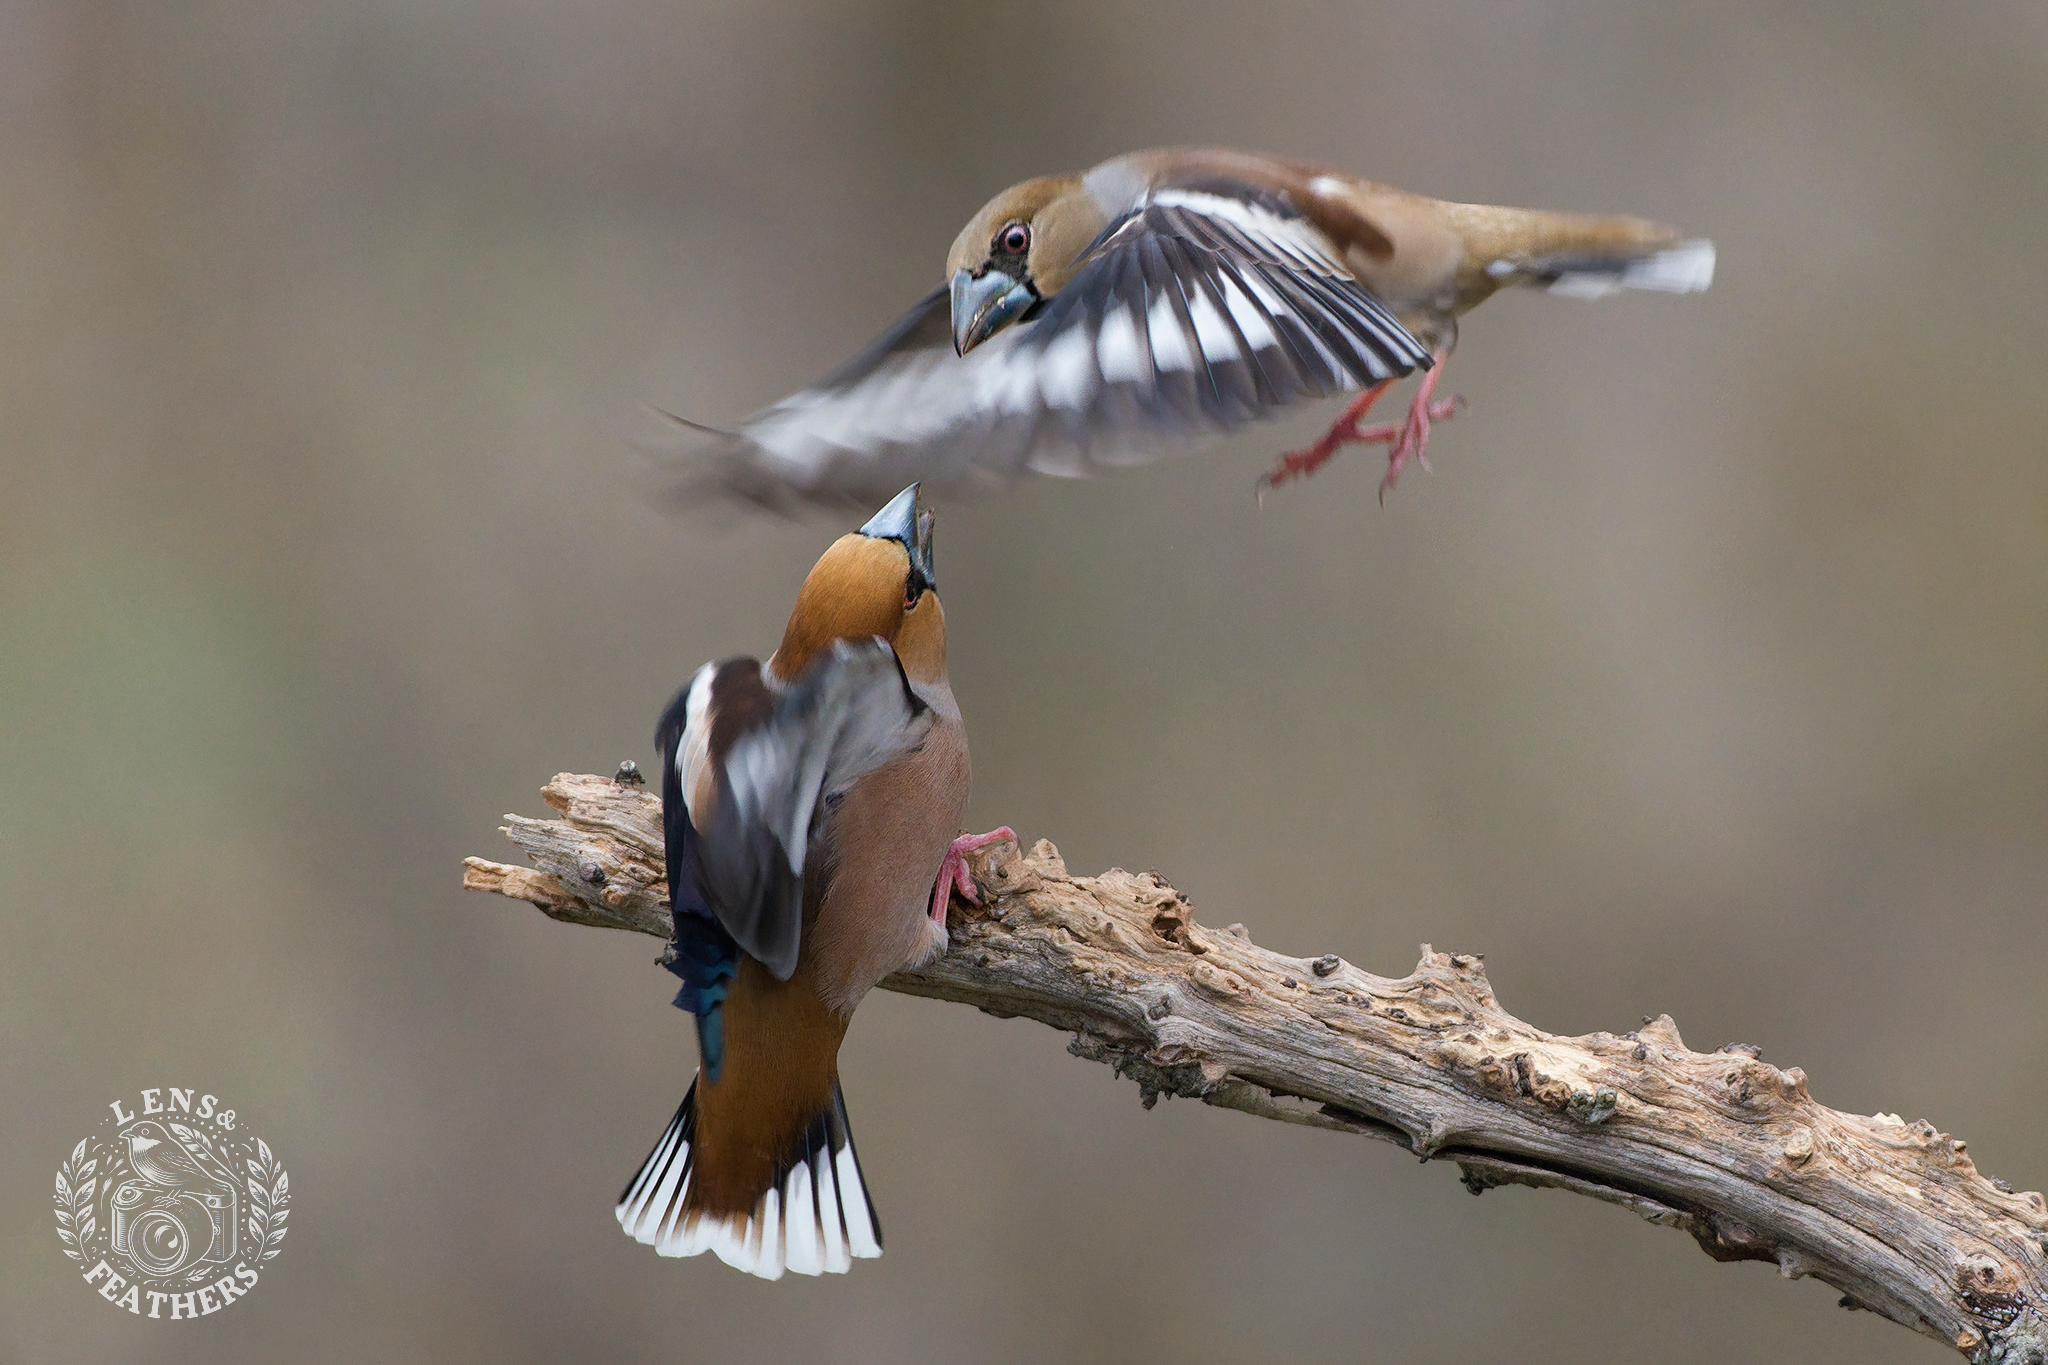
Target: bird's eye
912,590
1015,239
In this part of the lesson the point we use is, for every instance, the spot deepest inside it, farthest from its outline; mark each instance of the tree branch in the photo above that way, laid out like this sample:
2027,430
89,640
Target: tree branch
1723,1145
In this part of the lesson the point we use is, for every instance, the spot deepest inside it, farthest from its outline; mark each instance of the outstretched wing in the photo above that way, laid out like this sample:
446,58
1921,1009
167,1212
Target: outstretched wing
755,771
1198,310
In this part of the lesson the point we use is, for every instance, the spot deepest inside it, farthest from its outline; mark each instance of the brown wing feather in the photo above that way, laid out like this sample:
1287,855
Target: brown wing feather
1346,224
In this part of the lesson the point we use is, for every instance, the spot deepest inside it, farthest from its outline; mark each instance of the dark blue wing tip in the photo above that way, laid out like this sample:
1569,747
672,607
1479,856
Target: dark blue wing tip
706,970
711,1042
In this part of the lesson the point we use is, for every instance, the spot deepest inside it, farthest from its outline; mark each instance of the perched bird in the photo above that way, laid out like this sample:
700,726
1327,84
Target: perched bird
1109,316
163,1160
810,807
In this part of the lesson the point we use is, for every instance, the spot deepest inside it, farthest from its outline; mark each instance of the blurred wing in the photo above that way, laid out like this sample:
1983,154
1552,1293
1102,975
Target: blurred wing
1196,311
759,770
701,953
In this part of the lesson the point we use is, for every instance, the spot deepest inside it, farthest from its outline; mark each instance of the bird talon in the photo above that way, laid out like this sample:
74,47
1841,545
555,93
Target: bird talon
953,873
1299,464
1413,441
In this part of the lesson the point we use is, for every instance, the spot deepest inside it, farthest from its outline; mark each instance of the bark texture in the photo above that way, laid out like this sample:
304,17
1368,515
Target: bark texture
1722,1145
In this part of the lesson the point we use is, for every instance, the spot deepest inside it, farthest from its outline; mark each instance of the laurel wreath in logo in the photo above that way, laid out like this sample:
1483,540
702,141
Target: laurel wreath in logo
75,1221
84,1178
270,1197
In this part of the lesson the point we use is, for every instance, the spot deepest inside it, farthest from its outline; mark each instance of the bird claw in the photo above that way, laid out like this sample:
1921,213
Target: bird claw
953,874
1406,440
1299,464
1411,440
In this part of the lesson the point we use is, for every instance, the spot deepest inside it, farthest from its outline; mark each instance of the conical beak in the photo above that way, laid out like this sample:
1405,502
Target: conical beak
908,522
982,307
921,549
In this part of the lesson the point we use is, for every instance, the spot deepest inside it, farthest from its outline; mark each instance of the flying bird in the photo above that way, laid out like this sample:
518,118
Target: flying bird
1164,297
810,807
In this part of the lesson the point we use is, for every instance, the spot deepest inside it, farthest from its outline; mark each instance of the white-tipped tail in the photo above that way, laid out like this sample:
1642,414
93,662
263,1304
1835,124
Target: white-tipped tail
815,1218
1686,268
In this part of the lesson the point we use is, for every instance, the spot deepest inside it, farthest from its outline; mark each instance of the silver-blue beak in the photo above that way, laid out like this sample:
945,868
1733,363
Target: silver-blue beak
982,307
904,520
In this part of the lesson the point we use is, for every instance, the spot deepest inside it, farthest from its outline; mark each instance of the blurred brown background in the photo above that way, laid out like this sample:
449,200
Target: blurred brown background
1708,673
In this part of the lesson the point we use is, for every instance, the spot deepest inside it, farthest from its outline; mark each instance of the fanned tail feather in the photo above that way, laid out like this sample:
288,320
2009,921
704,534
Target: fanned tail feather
813,1219
1686,268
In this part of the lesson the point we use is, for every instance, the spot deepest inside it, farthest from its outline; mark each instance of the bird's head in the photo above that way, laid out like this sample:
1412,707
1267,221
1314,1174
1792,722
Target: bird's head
145,1136
1021,248
877,581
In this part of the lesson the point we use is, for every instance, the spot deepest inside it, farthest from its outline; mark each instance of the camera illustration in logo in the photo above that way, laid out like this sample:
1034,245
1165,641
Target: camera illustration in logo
173,1209
177,1213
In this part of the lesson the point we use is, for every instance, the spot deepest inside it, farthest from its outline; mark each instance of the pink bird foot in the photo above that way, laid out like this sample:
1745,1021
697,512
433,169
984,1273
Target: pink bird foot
1407,439
1411,440
1299,464
953,875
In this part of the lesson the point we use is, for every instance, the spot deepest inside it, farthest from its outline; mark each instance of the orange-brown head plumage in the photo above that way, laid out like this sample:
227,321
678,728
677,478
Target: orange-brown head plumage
1020,250
1060,219
876,581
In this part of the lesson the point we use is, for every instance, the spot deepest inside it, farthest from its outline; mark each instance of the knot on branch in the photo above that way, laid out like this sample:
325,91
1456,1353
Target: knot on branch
1169,1070
1727,1238
1992,1289
1173,918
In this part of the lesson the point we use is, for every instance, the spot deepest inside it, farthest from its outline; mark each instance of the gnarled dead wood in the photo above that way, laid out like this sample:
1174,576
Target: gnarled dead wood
1722,1144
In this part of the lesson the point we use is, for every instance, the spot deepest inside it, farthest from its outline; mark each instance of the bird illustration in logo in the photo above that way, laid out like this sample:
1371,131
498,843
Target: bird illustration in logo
163,1160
